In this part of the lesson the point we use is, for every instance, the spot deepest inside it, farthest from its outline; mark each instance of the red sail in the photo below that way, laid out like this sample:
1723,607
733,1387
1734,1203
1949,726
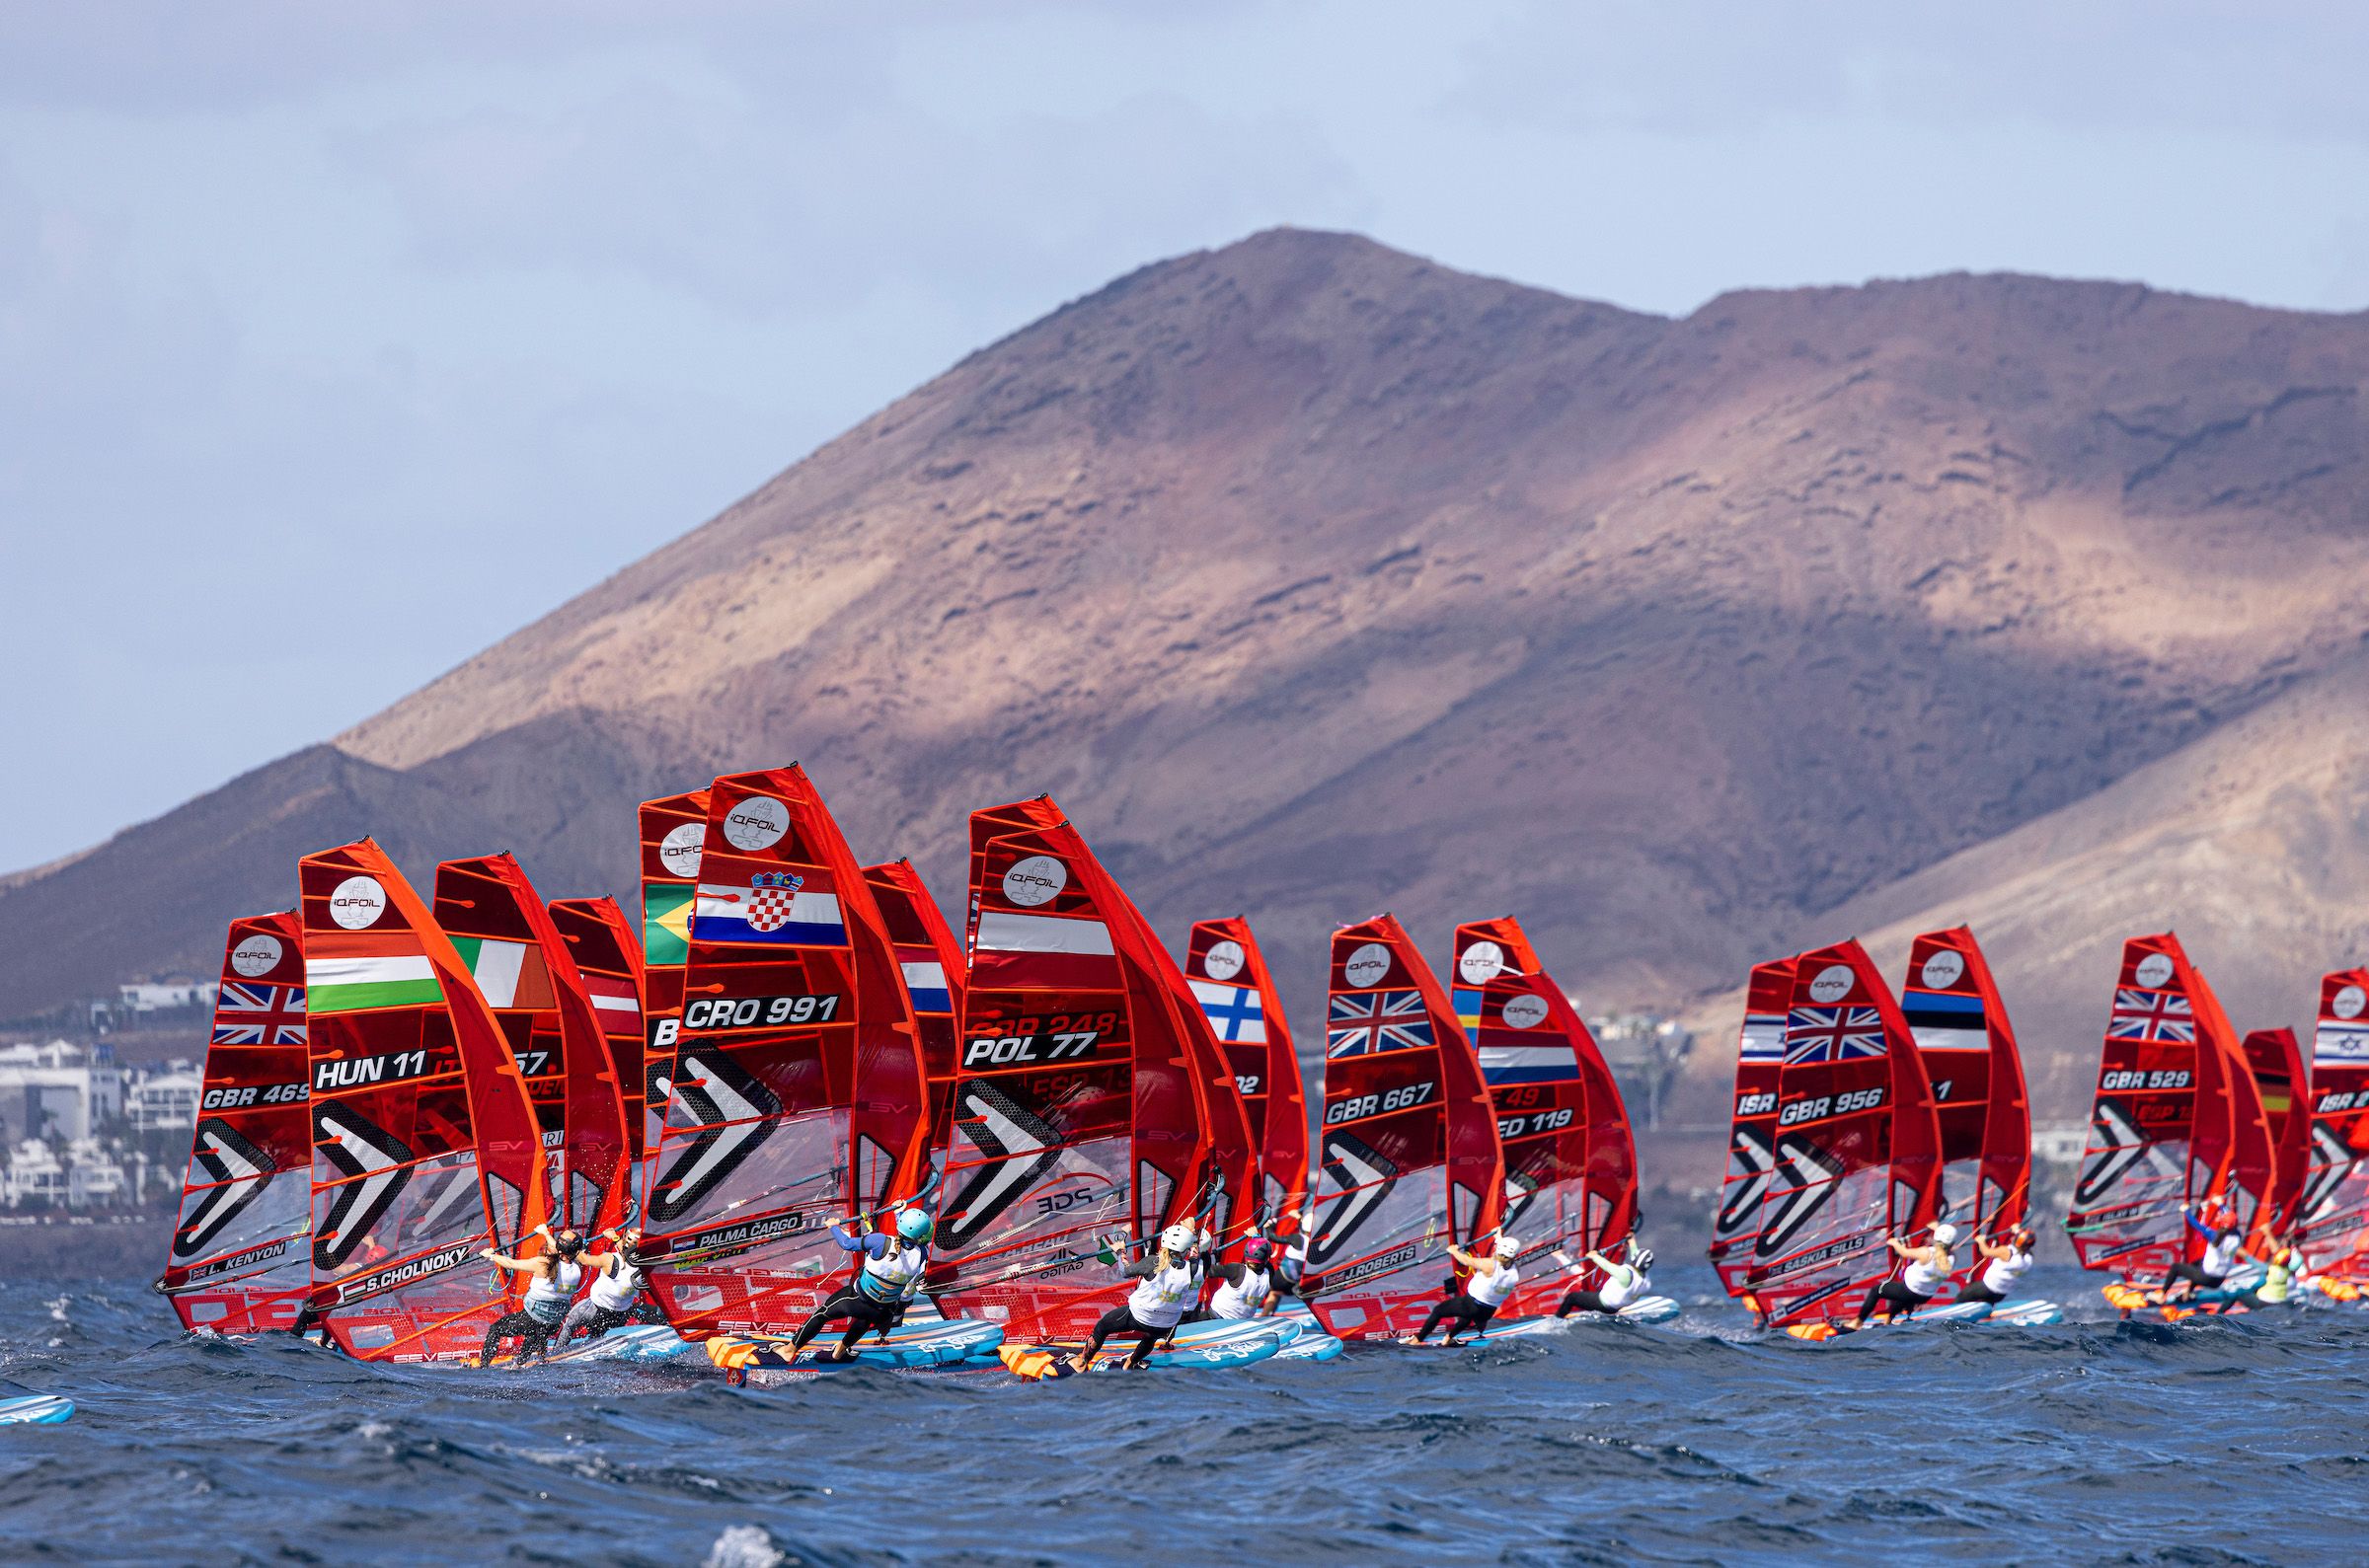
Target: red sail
1409,1161
797,1090
932,961
1752,1137
1963,1032
425,1146
238,1263
527,976
2278,1081
2333,1215
1075,1115
673,831
1570,1161
2159,1126
1857,1145
1228,1180
1229,977
608,956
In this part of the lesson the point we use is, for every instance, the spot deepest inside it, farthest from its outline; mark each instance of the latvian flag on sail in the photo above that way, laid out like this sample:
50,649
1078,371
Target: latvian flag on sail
777,909
354,974
1945,1021
510,974
615,996
1233,1011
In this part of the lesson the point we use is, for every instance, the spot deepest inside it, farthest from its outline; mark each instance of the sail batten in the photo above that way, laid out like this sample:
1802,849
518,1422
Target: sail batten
1230,981
1961,1031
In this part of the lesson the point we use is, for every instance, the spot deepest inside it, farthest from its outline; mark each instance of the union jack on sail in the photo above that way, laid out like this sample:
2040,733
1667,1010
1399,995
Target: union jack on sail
2151,1015
1366,1022
1833,1034
251,1014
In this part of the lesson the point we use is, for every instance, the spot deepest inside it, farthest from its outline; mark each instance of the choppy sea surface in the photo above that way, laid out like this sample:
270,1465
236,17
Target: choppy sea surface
2229,1440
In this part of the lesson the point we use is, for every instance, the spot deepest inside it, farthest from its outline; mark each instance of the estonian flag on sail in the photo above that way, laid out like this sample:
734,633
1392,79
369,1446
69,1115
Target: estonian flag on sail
1945,1021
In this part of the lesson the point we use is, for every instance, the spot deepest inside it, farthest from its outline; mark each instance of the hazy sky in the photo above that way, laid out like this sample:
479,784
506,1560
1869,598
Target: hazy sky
335,342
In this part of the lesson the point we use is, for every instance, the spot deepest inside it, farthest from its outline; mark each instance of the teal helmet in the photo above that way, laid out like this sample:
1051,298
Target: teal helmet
913,1224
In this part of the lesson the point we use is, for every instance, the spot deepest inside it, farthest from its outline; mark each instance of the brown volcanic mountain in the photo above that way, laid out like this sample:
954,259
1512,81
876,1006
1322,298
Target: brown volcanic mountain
1314,578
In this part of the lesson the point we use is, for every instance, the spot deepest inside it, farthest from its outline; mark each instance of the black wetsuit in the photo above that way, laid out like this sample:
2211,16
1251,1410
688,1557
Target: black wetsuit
863,1315
1120,1320
532,1333
1894,1292
1466,1315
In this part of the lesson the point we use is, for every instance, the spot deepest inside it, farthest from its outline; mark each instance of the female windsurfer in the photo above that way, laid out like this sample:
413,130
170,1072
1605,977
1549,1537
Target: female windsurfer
887,1276
1171,1276
1622,1284
1928,1269
2004,1262
617,1282
1243,1290
1491,1279
2183,1279
555,1274
2277,1283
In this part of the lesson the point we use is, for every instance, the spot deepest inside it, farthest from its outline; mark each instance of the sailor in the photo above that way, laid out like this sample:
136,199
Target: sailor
2183,1279
1248,1289
1171,1277
1491,1278
617,1283
554,1273
1624,1283
2277,1283
2004,1263
887,1276
1928,1269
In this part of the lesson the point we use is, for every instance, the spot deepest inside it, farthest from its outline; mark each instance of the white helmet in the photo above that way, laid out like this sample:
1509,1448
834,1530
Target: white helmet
1945,1234
1176,1238
1507,1246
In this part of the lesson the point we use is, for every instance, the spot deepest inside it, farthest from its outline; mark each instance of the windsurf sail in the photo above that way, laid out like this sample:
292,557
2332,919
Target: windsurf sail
932,961
2160,1125
1752,1135
2279,1084
608,956
1570,1161
1228,1180
1858,1147
1076,1117
425,1149
2332,1214
1230,980
528,976
238,1263
674,831
1408,1159
796,1091
1961,1030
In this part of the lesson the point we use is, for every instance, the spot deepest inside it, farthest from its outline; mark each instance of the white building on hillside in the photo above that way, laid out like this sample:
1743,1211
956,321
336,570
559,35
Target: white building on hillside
150,997
164,1099
59,1090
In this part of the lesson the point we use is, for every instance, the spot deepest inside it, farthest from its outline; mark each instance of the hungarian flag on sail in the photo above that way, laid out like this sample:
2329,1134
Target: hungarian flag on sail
354,974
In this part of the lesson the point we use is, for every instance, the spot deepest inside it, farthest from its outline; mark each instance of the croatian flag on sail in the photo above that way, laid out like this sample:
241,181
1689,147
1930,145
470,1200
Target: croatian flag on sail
781,912
1233,1011
251,1015
1833,1034
2151,1015
1366,1022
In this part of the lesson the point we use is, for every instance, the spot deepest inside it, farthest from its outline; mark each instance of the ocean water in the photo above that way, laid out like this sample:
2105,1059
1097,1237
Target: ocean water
2230,1440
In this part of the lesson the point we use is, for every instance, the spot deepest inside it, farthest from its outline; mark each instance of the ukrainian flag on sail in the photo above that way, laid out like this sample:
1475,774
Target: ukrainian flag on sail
667,922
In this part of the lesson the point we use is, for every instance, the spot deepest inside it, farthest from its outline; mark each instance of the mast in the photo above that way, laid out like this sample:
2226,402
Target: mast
237,1265
675,830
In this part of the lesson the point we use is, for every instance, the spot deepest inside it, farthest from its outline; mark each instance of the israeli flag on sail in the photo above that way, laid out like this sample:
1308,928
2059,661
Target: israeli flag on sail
1233,1011
2340,1044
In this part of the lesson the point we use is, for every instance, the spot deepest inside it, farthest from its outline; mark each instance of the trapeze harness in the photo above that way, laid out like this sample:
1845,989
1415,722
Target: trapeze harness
1469,1310
608,1305
1998,1277
1153,1308
540,1315
873,1299
1622,1285
1918,1284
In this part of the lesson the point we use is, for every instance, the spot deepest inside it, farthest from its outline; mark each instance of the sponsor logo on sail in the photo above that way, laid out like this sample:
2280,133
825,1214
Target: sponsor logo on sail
678,852
1524,1012
1037,879
1944,968
1223,960
357,902
756,823
1483,962
2350,1002
259,954
2154,971
1833,984
1367,966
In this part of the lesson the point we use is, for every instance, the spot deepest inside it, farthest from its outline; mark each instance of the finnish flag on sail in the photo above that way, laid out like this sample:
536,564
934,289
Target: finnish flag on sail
1233,1011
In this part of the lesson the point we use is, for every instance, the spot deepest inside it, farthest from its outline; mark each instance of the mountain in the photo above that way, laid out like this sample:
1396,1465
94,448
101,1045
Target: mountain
1314,578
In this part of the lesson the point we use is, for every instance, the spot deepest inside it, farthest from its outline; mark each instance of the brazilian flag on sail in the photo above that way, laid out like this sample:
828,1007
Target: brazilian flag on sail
667,922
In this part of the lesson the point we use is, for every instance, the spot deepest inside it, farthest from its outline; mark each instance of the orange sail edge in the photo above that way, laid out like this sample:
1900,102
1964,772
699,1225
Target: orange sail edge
236,1262
1570,1157
1078,1118
1856,1145
1409,1160
426,1150
784,1084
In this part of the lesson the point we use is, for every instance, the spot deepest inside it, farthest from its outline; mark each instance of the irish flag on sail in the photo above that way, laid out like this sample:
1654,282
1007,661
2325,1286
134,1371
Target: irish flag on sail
348,977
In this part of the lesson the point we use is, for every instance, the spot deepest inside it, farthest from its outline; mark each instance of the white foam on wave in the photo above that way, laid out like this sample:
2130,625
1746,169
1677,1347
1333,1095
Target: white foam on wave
745,1546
